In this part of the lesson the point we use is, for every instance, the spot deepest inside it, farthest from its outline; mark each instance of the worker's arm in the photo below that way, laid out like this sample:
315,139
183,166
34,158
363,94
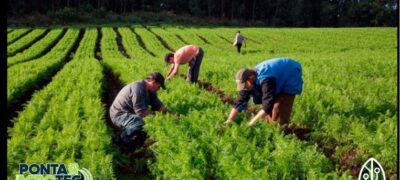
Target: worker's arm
144,114
239,105
138,102
268,97
170,69
260,114
156,104
232,116
163,109
174,71
267,89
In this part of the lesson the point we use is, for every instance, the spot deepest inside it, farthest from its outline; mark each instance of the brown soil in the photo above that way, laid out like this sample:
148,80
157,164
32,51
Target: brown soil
301,132
208,87
347,162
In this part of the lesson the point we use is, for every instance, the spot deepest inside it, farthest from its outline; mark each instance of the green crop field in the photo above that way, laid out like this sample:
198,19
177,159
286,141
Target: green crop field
61,83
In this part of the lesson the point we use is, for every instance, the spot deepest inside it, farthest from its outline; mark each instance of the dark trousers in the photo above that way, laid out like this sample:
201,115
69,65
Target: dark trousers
194,67
238,46
282,107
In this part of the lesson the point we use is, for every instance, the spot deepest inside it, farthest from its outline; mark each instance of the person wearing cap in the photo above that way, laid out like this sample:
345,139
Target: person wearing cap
238,41
272,83
190,54
130,106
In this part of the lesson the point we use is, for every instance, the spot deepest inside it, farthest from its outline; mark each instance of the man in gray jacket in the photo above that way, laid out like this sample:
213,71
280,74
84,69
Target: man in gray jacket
131,106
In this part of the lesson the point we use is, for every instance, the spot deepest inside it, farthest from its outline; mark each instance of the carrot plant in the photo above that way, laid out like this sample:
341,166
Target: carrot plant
35,51
348,102
64,123
26,76
15,34
24,42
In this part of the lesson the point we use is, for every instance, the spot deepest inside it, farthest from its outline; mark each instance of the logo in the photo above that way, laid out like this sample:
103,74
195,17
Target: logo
53,172
372,170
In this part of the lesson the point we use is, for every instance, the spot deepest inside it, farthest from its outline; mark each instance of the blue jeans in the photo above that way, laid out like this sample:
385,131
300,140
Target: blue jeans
132,129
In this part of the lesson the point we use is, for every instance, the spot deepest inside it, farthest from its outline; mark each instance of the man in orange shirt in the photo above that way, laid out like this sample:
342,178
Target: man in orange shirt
191,54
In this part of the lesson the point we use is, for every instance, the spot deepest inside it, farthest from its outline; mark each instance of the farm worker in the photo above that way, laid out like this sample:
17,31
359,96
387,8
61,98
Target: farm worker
190,54
238,41
272,83
130,106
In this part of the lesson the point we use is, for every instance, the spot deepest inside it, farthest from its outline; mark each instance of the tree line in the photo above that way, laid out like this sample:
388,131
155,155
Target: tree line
299,13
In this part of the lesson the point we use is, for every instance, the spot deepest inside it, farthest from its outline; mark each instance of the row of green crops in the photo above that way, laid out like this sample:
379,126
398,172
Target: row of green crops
349,91
348,102
15,34
26,76
64,122
38,48
192,145
25,41
131,44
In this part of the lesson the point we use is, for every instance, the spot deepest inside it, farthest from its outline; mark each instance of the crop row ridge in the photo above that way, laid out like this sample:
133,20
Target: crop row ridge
140,40
181,38
45,51
203,39
327,145
19,37
121,47
162,41
15,107
226,40
30,44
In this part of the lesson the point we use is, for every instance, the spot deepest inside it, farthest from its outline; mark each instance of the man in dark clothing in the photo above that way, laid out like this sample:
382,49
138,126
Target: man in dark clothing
272,83
130,107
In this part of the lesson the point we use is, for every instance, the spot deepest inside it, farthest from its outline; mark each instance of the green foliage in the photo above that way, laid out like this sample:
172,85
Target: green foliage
15,34
348,101
25,76
37,49
64,122
24,42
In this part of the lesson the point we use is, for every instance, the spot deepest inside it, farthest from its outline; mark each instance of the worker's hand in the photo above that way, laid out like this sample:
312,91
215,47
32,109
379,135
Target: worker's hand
268,118
251,123
228,121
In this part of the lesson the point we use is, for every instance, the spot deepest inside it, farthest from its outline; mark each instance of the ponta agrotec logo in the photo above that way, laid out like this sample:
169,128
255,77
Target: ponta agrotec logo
372,170
53,171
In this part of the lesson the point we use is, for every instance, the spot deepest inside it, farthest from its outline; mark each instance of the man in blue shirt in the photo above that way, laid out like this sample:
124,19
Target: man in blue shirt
272,83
